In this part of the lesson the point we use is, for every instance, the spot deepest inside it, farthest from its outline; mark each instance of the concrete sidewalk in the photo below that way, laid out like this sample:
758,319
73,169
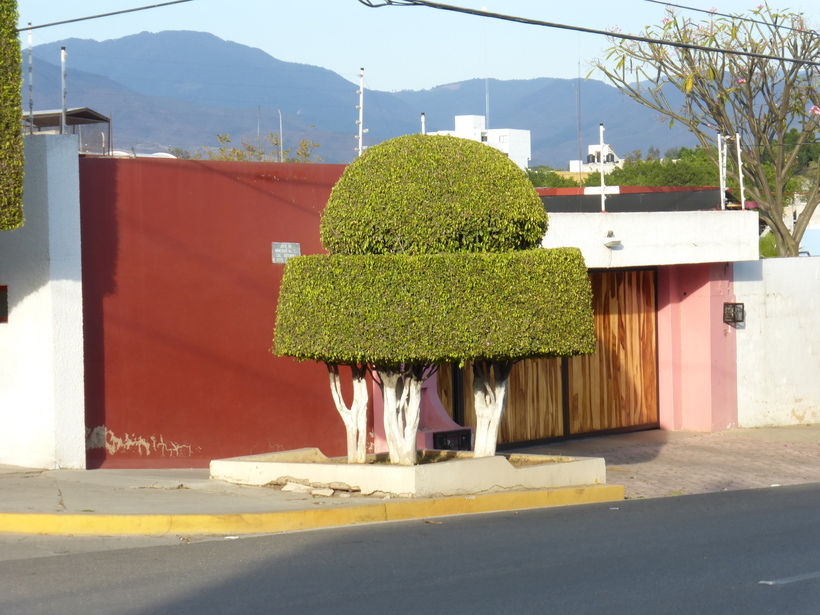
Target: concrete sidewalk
187,502
668,463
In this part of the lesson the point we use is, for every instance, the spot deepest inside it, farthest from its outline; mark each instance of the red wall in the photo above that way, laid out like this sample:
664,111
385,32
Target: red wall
179,297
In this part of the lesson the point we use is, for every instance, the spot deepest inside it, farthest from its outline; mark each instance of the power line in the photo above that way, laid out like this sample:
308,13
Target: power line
738,17
141,8
548,24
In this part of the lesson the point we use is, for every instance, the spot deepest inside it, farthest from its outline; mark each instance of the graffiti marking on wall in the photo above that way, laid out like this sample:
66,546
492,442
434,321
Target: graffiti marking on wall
100,437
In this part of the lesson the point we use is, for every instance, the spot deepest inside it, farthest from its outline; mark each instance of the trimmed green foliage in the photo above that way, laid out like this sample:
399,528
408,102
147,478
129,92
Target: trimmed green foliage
393,309
11,141
428,194
768,246
545,177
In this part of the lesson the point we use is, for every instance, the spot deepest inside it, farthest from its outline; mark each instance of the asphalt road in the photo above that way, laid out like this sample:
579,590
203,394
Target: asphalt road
736,552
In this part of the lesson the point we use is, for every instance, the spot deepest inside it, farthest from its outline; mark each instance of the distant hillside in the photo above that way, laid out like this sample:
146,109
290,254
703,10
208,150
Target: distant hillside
181,89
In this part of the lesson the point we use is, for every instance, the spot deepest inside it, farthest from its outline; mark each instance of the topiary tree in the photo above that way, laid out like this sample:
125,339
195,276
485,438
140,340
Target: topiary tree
422,194
11,140
492,309
431,238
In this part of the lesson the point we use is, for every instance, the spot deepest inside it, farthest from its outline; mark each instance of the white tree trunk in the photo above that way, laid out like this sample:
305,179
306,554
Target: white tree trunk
490,382
401,391
354,417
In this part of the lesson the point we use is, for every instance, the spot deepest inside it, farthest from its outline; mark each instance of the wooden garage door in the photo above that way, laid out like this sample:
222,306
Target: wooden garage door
615,388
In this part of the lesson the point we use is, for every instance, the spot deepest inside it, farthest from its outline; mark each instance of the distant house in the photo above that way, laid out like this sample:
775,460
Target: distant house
595,155
514,143
579,170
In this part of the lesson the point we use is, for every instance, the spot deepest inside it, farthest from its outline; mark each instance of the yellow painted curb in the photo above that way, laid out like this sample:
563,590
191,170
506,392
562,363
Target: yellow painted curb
288,521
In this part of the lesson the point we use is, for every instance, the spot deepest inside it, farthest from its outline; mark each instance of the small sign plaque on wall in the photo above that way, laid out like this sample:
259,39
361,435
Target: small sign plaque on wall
281,251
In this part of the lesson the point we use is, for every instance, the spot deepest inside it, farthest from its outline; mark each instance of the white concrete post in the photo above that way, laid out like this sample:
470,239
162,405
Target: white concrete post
42,394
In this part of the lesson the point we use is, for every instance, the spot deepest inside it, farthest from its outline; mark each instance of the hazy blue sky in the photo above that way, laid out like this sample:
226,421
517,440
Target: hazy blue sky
399,47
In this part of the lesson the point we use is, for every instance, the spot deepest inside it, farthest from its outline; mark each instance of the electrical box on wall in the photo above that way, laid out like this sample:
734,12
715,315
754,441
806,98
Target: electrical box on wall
734,313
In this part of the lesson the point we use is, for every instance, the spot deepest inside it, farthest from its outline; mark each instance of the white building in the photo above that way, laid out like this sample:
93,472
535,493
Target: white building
593,161
514,143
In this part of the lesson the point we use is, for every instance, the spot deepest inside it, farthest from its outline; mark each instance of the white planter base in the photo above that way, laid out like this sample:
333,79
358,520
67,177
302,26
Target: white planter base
458,474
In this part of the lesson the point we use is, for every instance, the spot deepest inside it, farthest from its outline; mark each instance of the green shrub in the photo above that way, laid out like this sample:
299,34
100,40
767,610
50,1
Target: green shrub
768,246
393,309
11,141
428,194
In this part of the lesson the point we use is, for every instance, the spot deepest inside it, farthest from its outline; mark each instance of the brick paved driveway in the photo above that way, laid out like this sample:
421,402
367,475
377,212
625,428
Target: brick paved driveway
656,463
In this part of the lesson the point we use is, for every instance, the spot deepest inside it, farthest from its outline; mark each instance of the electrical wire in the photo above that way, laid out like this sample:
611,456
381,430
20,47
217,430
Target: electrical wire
737,17
611,34
141,8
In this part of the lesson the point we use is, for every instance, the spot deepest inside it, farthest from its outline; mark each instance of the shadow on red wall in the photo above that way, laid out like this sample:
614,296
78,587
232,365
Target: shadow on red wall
179,294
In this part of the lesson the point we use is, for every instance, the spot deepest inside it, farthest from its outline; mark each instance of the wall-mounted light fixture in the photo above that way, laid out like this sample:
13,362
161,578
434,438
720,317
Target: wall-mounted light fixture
611,241
734,313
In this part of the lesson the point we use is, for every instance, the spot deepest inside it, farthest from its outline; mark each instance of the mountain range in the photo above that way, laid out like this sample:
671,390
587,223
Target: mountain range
180,89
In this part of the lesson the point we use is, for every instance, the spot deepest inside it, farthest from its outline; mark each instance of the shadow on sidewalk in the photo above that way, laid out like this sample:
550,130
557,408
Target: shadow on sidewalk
621,449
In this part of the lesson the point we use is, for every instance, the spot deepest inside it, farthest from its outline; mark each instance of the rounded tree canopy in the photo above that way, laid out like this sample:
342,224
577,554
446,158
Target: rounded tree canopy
430,194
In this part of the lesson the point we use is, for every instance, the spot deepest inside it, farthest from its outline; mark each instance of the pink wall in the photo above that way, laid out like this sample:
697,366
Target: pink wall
180,299
697,355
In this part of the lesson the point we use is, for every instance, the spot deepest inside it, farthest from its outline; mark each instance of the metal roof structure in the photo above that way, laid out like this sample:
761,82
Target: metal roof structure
73,117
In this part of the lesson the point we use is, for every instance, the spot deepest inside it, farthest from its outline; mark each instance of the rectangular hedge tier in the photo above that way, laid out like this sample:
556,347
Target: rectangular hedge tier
438,308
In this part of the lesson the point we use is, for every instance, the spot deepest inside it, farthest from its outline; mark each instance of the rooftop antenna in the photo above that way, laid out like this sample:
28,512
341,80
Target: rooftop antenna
740,172
601,158
360,107
62,85
487,102
30,82
721,141
281,139
486,79
723,158
578,113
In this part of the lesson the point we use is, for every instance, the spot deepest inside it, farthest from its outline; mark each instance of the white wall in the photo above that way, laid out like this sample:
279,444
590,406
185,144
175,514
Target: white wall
778,349
42,402
657,238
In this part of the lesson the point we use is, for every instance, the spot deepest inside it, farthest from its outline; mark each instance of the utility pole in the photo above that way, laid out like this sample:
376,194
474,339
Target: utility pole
721,141
64,107
601,159
281,139
360,149
30,81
